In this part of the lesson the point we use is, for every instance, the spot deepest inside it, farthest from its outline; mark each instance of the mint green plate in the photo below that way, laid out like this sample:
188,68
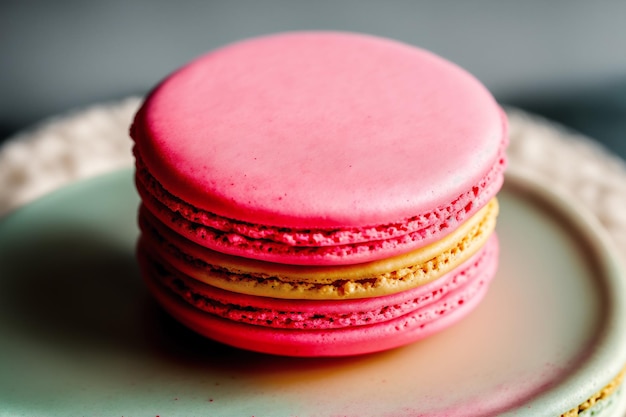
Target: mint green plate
79,336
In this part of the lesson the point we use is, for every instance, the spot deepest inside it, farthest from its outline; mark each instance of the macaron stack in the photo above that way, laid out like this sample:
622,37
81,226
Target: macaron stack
318,193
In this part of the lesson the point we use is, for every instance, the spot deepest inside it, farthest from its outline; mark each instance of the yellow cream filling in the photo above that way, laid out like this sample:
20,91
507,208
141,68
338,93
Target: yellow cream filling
603,394
370,279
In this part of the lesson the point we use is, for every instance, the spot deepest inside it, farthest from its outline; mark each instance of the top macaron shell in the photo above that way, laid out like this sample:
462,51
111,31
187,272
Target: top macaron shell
379,132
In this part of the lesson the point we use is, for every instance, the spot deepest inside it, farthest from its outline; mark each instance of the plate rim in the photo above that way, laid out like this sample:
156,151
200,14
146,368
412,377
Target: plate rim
609,354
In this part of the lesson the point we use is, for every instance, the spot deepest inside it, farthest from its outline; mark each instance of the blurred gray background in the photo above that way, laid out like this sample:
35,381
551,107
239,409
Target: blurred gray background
564,59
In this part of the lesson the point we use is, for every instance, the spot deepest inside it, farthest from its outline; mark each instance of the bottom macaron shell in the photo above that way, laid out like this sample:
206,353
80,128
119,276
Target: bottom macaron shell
333,342
345,342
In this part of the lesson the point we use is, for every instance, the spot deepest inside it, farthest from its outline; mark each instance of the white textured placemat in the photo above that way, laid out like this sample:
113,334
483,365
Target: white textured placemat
95,140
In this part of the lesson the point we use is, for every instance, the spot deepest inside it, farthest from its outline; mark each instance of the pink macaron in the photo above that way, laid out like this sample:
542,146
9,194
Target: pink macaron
316,193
